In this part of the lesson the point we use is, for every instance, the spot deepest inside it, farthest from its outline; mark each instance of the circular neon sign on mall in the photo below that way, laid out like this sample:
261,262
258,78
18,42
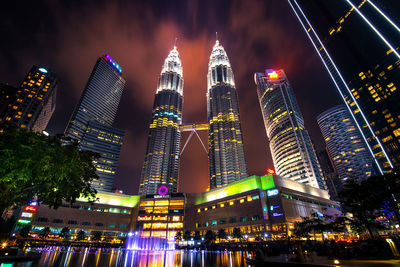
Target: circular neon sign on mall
162,190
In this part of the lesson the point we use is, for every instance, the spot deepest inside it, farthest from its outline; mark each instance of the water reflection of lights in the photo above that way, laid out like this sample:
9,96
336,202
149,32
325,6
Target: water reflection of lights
74,256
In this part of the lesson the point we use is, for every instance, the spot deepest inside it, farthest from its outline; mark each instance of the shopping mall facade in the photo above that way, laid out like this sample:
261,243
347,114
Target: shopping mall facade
258,205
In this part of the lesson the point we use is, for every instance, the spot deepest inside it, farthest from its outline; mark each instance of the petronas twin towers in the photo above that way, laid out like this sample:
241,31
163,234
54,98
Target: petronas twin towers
227,160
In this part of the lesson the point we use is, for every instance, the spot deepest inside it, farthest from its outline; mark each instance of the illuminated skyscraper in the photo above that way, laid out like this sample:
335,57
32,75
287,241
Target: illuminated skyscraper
291,148
91,122
8,95
100,98
345,145
35,100
107,141
226,153
359,45
161,163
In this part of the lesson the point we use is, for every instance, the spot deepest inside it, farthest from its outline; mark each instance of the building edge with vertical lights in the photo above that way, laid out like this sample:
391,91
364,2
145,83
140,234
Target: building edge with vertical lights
368,92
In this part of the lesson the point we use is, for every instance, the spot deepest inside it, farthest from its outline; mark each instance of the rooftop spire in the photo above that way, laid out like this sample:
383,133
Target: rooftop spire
219,57
176,40
172,65
216,38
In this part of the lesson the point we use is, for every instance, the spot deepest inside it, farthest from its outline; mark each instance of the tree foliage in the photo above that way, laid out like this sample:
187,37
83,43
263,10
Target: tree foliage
210,236
362,201
44,233
33,164
197,235
178,236
221,234
236,233
97,235
80,235
187,235
64,233
318,224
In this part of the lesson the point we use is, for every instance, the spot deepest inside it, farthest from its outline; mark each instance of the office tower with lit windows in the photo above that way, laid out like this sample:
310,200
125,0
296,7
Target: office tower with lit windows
161,163
107,141
34,101
291,148
8,94
345,144
358,43
100,98
227,158
92,119
333,183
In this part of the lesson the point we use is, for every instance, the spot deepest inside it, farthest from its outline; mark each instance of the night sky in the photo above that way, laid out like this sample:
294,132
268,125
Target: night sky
69,36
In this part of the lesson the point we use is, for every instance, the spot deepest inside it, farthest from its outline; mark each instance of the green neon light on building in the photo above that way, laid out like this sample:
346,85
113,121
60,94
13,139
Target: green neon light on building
129,201
24,221
253,182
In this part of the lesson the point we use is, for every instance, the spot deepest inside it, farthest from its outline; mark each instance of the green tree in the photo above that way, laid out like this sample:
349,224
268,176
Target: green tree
33,164
44,233
64,234
221,234
387,190
316,223
97,235
361,200
80,235
178,236
302,228
24,231
236,233
197,235
187,235
210,236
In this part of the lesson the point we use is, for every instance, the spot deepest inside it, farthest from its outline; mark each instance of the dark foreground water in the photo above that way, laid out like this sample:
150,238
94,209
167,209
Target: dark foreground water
68,256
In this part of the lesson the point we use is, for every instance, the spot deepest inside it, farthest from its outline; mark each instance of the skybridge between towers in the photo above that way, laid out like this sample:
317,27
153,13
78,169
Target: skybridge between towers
193,128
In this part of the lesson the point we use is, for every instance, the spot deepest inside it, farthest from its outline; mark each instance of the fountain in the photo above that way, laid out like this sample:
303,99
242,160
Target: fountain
136,241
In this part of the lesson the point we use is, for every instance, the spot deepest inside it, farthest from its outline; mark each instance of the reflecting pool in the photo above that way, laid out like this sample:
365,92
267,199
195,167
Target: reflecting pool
70,256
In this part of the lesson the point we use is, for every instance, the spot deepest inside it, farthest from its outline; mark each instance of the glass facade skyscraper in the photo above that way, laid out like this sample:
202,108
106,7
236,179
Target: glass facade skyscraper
291,148
100,98
107,141
161,163
34,101
359,45
92,119
345,144
227,159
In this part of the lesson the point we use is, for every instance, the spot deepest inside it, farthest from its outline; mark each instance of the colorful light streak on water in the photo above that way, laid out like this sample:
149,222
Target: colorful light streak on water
85,257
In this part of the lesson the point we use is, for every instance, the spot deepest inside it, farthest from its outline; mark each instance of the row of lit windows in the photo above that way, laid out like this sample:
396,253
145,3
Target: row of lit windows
245,229
162,202
75,231
230,203
294,197
255,217
160,218
156,226
92,208
85,223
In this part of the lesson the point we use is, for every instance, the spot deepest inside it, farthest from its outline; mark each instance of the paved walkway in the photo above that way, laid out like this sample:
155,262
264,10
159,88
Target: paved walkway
324,261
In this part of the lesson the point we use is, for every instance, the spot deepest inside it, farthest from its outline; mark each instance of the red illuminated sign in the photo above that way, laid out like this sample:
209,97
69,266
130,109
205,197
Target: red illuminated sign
271,171
273,75
30,208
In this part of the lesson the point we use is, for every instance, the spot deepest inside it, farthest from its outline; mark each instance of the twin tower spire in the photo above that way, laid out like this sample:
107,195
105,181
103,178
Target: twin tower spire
227,160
